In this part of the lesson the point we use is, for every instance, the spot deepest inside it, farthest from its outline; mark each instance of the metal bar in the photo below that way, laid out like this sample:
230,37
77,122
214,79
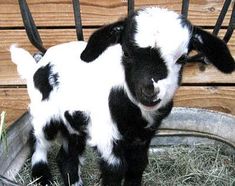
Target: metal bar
231,26
78,20
184,9
189,133
30,26
221,17
131,7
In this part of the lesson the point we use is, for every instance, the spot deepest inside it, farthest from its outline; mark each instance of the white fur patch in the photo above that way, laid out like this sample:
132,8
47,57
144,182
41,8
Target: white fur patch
103,133
162,29
169,85
41,148
24,61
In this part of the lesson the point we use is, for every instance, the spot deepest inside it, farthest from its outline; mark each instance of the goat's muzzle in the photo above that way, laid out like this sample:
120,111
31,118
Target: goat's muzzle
148,96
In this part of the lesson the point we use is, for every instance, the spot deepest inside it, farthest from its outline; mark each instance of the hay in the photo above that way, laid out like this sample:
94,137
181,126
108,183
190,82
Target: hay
180,165
194,165
90,170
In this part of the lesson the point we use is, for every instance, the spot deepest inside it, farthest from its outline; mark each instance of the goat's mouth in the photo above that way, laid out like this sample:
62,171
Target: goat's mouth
150,104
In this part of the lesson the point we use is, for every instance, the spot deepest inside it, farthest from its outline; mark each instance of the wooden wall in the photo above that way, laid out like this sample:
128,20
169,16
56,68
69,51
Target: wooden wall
203,86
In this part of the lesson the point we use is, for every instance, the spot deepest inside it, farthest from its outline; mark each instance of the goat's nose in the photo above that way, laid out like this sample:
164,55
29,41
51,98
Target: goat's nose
150,92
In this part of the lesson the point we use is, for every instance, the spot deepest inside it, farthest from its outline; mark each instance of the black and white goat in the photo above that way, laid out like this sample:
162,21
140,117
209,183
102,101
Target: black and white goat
116,102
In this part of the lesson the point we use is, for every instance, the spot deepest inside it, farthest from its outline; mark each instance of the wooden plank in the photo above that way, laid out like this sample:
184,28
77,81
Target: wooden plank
60,12
220,98
15,100
197,73
8,72
193,73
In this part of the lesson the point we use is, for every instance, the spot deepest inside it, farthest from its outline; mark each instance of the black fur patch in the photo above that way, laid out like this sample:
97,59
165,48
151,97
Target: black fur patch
215,50
128,116
68,167
52,128
111,175
78,120
41,170
133,148
101,39
32,141
143,65
41,80
130,122
162,113
136,155
180,76
68,160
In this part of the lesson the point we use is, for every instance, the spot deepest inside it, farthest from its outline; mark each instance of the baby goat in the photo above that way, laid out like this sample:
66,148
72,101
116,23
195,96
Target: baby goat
115,103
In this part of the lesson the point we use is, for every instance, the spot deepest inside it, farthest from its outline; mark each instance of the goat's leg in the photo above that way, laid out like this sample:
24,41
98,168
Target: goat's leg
111,175
113,168
136,159
44,132
69,159
70,154
40,168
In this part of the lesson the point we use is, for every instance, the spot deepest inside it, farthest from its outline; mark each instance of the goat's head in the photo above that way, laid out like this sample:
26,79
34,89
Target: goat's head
154,40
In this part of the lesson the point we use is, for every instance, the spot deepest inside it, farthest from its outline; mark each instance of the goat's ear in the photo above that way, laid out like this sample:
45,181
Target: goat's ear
215,50
102,39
